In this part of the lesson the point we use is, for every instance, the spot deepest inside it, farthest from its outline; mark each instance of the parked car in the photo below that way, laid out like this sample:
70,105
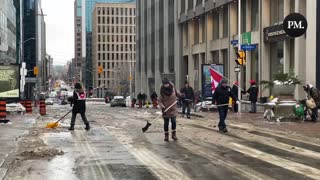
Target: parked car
49,101
118,101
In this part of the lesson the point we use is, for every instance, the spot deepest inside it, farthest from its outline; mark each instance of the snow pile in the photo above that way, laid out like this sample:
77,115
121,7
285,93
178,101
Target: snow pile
41,152
15,107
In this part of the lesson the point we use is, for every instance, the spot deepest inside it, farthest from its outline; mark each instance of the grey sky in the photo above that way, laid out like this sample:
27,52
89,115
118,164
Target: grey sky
60,32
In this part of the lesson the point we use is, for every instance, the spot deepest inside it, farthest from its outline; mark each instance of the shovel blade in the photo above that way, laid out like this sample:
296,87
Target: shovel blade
144,129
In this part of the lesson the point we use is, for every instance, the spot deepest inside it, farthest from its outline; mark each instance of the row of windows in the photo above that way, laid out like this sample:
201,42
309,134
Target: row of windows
117,29
116,20
116,56
117,38
107,66
113,47
116,11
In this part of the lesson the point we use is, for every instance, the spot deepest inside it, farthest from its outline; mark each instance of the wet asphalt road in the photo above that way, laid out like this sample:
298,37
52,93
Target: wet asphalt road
115,148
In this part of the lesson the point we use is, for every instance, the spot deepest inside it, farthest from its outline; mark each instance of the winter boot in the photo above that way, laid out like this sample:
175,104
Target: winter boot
71,128
87,127
225,130
166,136
174,135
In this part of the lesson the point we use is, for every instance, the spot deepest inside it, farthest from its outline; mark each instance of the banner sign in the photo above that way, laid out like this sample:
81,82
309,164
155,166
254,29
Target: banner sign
9,81
208,81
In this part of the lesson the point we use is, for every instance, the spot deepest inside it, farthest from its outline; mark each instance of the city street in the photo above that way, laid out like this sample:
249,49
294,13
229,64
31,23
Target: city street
116,148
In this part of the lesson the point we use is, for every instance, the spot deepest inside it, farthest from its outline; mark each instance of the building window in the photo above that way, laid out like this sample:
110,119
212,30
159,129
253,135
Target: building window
243,15
226,21
196,26
225,62
255,15
199,2
190,4
215,25
276,53
276,11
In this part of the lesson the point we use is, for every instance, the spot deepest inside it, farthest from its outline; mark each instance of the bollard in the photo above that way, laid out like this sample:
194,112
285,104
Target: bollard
133,102
28,105
3,110
43,107
155,104
147,104
140,103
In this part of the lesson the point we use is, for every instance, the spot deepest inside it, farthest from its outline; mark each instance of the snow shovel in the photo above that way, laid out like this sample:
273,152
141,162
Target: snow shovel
54,125
144,129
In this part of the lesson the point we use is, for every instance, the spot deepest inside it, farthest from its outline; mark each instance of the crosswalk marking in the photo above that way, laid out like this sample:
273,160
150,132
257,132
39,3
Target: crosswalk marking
273,134
243,170
283,146
3,173
292,166
162,169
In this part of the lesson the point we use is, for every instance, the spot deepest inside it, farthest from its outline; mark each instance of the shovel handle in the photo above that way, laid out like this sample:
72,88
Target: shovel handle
164,112
64,116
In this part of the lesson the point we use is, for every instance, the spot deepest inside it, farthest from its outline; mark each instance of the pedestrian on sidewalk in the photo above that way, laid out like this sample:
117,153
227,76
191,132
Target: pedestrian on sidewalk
139,97
154,99
313,93
187,95
221,98
168,96
253,95
235,93
79,106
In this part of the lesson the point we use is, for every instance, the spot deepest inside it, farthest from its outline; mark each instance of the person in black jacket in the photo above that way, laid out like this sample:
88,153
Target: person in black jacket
253,95
234,90
221,97
79,106
187,98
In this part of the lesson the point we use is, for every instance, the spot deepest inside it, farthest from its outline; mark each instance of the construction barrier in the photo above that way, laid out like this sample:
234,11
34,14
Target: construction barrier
43,107
28,106
155,103
23,103
3,110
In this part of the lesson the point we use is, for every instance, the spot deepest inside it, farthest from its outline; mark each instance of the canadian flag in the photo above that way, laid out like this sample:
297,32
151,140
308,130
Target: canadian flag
216,77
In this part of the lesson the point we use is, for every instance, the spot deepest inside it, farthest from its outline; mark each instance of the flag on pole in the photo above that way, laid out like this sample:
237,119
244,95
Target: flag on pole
216,78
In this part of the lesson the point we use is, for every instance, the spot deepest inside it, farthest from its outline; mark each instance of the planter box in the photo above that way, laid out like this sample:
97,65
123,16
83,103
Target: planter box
283,90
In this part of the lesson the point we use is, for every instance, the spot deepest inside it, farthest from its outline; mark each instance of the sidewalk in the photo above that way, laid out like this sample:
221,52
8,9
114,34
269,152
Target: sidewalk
9,134
306,128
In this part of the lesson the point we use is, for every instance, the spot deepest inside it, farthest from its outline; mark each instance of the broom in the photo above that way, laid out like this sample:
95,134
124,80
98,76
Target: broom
144,129
53,125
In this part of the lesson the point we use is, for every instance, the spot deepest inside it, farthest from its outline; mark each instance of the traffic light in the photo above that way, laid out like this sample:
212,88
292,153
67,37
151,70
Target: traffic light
241,57
35,70
100,69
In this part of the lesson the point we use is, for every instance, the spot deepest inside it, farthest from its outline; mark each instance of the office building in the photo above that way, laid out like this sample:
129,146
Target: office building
157,45
113,45
8,41
209,36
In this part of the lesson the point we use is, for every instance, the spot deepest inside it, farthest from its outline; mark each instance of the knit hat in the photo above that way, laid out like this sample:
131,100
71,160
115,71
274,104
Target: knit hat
224,81
252,82
77,86
165,81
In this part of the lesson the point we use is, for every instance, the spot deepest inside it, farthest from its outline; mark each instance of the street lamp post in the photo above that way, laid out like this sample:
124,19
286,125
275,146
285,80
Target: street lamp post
239,49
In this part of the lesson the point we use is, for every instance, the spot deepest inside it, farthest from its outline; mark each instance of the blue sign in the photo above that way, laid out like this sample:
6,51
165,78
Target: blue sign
234,42
248,47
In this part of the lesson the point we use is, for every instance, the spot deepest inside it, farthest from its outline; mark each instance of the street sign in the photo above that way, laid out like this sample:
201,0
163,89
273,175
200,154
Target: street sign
237,69
248,47
234,42
246,38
